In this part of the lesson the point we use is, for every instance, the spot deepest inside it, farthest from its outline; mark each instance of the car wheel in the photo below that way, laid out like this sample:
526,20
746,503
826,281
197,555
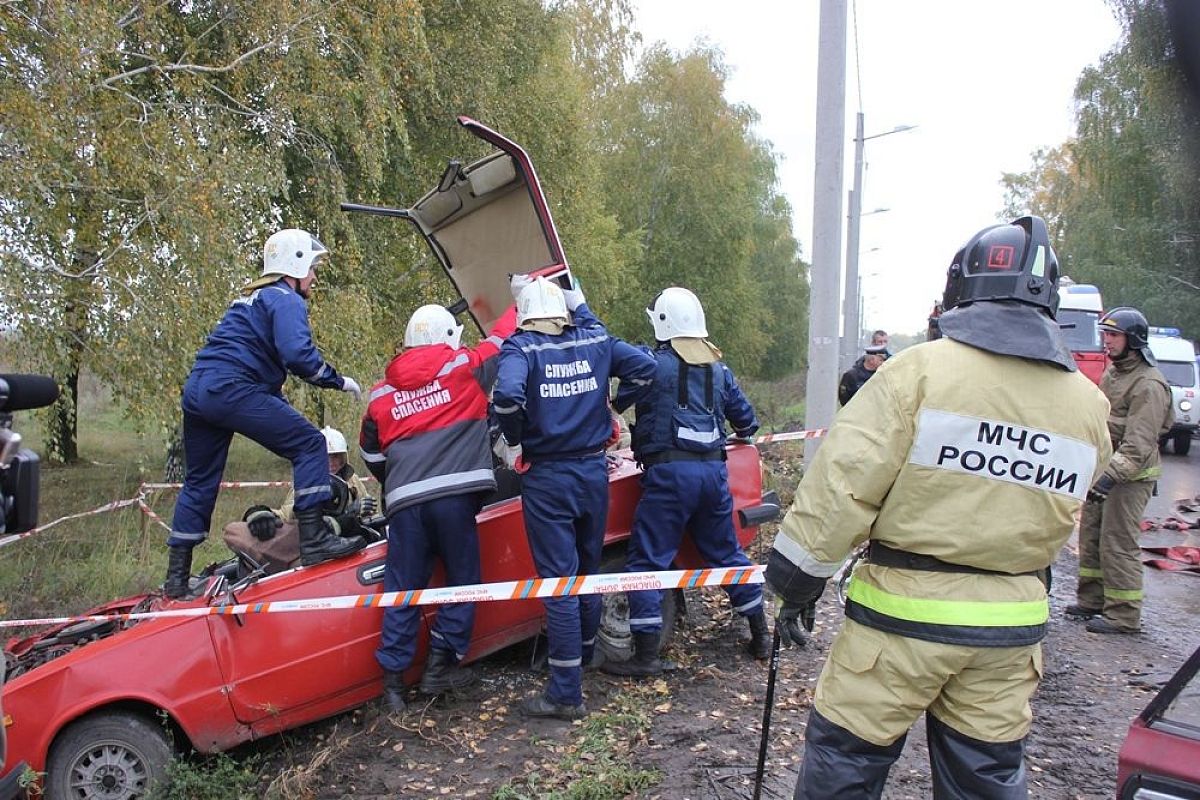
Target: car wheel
109,756
1182,442
614,639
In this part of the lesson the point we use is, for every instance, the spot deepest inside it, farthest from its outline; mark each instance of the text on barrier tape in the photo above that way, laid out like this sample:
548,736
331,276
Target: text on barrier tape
529,588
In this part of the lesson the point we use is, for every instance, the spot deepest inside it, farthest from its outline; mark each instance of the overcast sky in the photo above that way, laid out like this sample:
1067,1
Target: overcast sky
986,84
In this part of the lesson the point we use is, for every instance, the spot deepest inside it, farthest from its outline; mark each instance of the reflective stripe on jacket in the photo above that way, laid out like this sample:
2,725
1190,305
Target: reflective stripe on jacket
971,457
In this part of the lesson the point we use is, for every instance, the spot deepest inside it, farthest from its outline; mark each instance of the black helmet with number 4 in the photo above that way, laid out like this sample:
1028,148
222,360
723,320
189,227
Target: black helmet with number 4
1132,323
1005,262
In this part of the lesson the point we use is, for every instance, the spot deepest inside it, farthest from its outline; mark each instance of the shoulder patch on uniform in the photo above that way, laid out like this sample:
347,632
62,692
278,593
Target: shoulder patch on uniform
1002,451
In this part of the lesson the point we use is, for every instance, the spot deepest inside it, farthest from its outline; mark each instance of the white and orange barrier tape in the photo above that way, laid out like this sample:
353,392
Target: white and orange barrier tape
530,588
790,436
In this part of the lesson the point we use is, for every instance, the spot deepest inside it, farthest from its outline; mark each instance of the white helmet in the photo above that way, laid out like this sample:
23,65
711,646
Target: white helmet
541,299
432,324
677,312
291,252
334,441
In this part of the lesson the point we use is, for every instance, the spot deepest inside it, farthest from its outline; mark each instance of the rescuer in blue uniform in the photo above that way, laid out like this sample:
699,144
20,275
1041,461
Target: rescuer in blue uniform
679,438
551,402
235,387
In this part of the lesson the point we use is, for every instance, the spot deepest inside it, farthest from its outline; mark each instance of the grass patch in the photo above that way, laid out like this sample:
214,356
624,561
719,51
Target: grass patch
218,777
598,763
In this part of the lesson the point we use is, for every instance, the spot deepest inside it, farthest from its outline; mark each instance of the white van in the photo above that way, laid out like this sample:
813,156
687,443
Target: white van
1177,361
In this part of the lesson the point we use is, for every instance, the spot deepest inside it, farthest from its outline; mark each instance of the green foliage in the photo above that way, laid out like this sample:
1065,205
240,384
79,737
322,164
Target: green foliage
147,150
1123,197
685,173
217,777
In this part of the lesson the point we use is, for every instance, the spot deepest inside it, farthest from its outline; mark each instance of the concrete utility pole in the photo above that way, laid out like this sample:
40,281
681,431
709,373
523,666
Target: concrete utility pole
852,306
821,385
851,322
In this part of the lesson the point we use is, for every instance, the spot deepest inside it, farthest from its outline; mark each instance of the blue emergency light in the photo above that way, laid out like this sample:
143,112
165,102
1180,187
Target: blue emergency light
1159,331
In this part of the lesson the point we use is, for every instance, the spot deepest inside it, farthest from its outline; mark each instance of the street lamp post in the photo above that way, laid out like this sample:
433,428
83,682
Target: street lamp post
852,321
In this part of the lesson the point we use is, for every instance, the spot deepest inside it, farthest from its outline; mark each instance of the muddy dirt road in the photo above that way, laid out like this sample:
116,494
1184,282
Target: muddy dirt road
694,734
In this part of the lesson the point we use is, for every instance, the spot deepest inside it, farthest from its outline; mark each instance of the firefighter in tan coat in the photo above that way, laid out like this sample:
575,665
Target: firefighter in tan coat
1110,564
963,462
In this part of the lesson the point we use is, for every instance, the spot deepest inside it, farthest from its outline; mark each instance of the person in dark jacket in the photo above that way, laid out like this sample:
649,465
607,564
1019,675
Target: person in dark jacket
551,401
679,438
424,437
235,386
854,378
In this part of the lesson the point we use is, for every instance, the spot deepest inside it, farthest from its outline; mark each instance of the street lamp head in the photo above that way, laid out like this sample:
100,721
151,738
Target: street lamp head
897,129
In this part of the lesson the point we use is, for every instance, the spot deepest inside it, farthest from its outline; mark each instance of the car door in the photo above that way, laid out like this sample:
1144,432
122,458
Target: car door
279,665
485,221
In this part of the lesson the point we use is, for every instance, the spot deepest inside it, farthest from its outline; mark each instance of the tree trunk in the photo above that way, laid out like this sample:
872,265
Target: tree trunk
63,437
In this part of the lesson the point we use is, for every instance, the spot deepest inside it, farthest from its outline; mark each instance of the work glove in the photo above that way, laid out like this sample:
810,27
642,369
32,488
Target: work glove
262,522
367,507
742,437
798,593
518,282
350,385
513,457
573,296
1100,489
795,622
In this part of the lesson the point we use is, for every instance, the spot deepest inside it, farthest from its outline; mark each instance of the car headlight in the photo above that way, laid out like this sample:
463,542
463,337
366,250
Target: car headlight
1185,405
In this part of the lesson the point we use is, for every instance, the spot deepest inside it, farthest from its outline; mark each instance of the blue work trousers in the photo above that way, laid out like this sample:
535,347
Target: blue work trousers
679,495
417,535
217,405
566,508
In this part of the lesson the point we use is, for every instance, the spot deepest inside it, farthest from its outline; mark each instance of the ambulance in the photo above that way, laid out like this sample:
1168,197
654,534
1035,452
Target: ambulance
1176,358
1079,310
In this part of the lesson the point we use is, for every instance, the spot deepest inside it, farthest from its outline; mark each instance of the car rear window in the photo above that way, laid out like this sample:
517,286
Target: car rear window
1179,373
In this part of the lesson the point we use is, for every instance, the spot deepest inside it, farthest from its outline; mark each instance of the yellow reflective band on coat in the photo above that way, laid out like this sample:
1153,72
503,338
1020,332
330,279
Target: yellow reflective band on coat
990,614
1090,572
1124,594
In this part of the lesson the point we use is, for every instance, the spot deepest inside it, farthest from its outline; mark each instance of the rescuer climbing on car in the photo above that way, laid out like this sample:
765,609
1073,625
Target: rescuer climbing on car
235,387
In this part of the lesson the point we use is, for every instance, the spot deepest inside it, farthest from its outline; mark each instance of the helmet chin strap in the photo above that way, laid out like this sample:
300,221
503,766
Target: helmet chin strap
295,284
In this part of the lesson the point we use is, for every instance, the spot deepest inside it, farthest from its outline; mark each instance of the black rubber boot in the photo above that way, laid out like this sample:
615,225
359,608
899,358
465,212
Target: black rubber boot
179,572
1076,611
442,673
540,706
318,544
393,691
643,663
759,645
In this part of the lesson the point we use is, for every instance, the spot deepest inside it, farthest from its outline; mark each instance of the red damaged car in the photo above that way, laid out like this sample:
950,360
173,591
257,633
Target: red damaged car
101,707
1160,759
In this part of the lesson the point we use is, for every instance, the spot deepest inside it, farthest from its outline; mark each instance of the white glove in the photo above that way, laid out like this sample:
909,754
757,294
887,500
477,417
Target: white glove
518,282
350,385
574,296
512,457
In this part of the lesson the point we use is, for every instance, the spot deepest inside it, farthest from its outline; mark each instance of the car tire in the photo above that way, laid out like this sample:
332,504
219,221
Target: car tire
1182,442
614,640
113,755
